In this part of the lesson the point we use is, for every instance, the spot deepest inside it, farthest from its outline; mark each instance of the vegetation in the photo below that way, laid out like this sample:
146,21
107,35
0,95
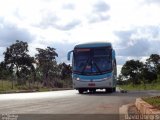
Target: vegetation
21,71
18,61
136,75
6,87
154,101
153,86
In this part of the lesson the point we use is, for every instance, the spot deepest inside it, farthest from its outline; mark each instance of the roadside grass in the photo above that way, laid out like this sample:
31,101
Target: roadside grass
6,87
154,101
152,86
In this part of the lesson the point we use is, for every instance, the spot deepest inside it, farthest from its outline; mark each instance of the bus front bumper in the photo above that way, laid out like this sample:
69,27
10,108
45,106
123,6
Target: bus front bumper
100,84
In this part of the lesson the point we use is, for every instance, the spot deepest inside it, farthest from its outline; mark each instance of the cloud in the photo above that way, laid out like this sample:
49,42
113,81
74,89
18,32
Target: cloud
152,1
69,6
120,59
62,49
98,18
123,36
51,22
10,33
70,25
138,48
138,42
50,19
99,12
101,7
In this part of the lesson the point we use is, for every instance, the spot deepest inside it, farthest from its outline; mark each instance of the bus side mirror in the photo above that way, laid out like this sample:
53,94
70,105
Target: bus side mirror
69,55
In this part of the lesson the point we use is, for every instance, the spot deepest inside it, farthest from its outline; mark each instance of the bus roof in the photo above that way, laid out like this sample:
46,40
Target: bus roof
93,45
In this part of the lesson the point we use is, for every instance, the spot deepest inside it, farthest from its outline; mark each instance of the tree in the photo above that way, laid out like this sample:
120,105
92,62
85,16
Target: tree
66,70
120,80
151,68
132,70
148,75
153,63
47,65
65,74
18,59
4,72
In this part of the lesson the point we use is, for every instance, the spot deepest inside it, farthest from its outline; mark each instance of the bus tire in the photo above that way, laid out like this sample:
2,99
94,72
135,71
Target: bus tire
92,90
109,90
80,91
114,89
106,90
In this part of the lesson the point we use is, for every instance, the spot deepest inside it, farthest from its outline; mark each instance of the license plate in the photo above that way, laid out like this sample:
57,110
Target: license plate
91,84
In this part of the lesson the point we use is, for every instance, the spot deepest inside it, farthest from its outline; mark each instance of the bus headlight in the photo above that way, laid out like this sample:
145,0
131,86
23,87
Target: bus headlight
77,79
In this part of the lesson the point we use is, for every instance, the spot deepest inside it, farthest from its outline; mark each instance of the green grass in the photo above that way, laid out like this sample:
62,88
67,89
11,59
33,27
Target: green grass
154,86
6,86
154,101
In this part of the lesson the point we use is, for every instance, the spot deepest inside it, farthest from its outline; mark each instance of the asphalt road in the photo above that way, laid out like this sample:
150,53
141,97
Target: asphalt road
68,102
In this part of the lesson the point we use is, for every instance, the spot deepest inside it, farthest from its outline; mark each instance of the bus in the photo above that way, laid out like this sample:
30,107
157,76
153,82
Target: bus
93,67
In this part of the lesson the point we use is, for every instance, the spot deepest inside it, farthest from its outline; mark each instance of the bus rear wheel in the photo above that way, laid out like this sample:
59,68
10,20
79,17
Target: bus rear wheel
109,90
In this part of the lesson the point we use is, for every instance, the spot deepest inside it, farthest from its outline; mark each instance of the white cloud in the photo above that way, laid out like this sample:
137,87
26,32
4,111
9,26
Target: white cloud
10,33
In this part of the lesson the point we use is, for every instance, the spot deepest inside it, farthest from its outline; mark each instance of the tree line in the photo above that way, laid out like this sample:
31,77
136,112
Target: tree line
137,72
20,68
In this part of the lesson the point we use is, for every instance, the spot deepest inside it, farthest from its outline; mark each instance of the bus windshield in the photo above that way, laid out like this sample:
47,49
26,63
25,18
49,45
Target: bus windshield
92,61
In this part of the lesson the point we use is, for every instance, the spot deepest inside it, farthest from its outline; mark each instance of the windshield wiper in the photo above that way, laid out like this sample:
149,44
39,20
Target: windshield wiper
97,67
85,65
88,60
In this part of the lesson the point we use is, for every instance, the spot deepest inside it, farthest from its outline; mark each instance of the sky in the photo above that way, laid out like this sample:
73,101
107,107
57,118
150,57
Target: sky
132,26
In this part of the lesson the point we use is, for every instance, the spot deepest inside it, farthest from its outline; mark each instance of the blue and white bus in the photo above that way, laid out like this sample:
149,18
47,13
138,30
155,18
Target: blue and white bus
94,67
